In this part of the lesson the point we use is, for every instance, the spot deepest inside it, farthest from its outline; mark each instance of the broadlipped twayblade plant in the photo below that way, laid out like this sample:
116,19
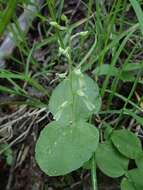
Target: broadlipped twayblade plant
70,140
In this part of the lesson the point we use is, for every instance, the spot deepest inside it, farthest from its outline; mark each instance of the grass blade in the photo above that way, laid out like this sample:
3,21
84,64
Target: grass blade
139,13
7,15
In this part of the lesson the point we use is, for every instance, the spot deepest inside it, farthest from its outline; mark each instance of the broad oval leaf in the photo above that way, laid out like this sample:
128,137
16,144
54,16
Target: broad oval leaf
110,161
62,149
127,143
127,185
77,99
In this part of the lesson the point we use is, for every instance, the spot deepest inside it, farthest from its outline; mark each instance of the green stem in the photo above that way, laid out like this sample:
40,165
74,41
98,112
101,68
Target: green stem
93,173
129,97
71,85
53,15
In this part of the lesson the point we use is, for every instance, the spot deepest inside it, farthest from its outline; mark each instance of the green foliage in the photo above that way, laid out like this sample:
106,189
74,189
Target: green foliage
6,16
76,97
139,13
138,118
127,185
62,149
110,161
128,71
139,161
106,69
135,176
132,67
127,143
87,165
107,131
68,142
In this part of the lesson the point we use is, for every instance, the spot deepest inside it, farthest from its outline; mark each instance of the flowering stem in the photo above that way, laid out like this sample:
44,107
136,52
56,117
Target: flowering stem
93,173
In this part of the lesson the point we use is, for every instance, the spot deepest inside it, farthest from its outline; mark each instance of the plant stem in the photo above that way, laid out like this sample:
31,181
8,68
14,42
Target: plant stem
93,173
71,84
52,13
129,97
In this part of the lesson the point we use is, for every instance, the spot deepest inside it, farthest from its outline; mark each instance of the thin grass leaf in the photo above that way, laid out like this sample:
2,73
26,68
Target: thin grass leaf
139,12
7,90
7,15
138,118
9,75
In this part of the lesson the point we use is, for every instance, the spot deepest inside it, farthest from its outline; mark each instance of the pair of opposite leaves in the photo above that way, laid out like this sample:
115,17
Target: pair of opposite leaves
69,141
113,156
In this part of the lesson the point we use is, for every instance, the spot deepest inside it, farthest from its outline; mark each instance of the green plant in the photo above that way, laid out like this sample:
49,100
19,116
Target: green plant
110,47
6,16
70,140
